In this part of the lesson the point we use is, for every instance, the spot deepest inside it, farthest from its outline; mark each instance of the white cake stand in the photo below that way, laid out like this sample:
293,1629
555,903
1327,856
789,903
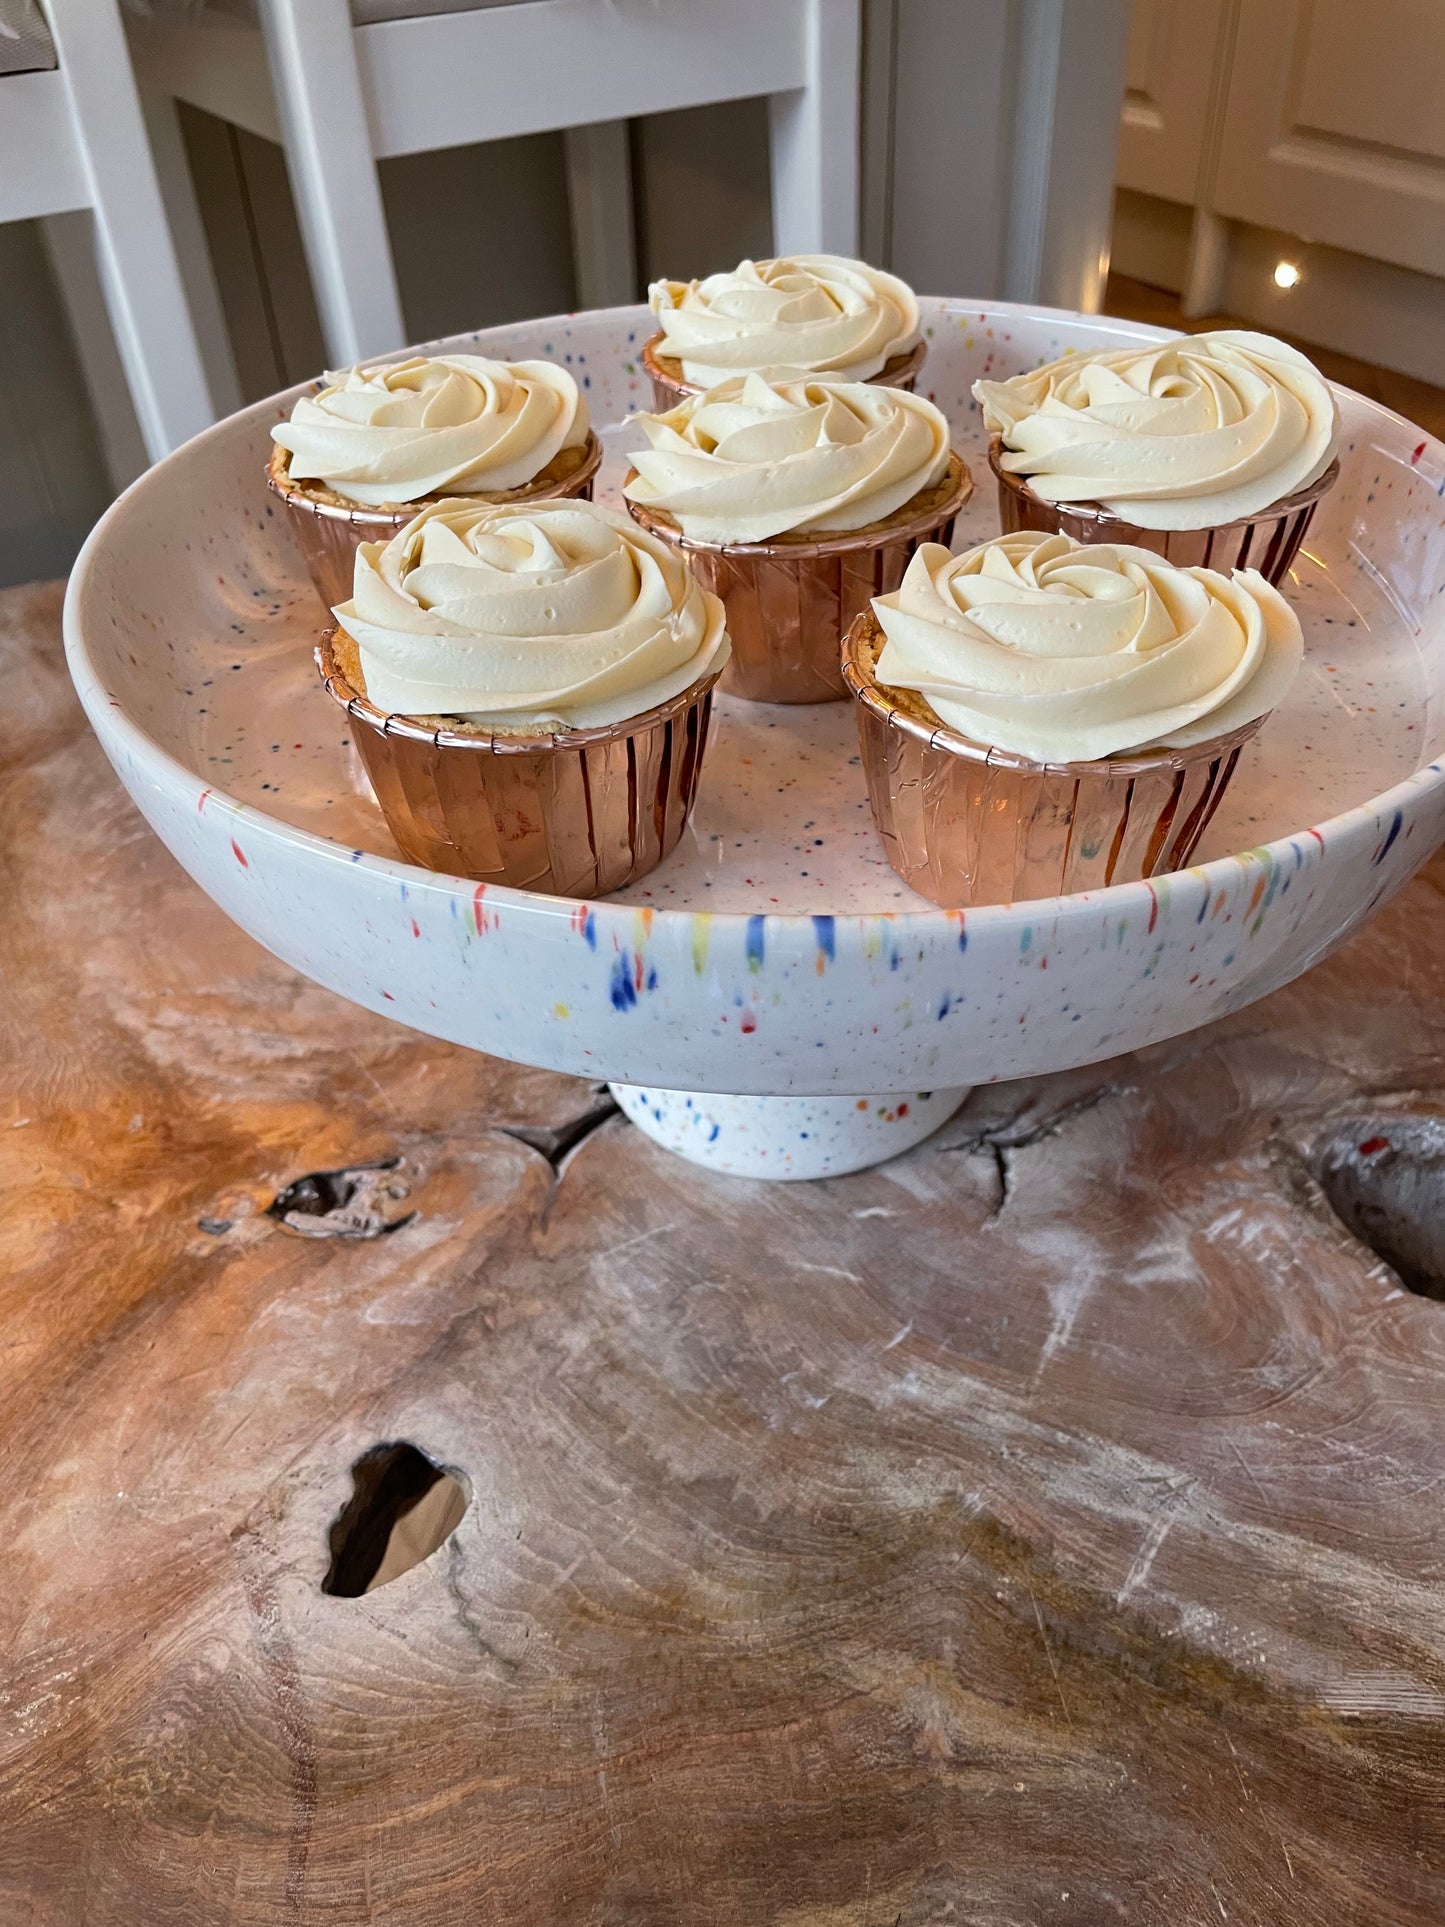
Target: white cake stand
772,1001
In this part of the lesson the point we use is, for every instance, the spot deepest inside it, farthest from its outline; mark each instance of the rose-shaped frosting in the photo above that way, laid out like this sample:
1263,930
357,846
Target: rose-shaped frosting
442,425
526,615
1064,653
752,458
1183,434
808,313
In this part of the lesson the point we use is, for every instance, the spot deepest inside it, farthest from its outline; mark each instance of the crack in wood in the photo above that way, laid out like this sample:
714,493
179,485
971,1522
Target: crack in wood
557,1142
1002,1142
452,1569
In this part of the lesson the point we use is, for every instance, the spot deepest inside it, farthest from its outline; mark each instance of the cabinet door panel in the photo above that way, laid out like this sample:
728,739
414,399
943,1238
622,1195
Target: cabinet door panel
1174,51
1334,128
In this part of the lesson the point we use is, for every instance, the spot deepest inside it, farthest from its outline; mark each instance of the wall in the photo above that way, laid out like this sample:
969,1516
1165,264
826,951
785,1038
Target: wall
53,480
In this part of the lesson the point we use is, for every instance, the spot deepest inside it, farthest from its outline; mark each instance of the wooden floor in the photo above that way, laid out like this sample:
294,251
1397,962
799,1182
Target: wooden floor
1416,400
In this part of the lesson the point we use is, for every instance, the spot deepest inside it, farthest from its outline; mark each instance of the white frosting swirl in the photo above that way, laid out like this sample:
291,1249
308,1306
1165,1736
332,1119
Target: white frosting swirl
1064,654
754,458
1182,434
529,615
441,425
809,313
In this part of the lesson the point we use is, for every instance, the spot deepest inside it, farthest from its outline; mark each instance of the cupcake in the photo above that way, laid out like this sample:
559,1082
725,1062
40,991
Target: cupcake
530,685
356,461
1210,449
796,502
1038,717
802,314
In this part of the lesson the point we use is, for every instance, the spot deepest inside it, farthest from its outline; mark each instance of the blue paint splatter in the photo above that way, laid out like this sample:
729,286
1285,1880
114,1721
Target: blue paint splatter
1026,939
714,1134
1384,849
652,980
823,933
624,991
589,929
945,1004
754,942
962,935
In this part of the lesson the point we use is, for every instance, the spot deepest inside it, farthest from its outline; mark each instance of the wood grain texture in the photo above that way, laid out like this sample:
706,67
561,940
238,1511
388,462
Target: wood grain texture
1043,1530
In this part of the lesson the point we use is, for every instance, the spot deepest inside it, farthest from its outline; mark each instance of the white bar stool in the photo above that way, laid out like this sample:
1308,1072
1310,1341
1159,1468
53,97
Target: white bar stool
72,137
344,85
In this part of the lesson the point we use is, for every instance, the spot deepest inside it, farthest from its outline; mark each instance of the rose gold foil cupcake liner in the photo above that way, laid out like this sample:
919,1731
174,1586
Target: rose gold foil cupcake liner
1268,542
963,824
574,813
789,601
669,389
328,534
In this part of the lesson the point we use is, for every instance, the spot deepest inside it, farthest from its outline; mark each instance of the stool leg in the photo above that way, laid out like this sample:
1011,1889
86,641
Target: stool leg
144,292
599,196
311,50
814,133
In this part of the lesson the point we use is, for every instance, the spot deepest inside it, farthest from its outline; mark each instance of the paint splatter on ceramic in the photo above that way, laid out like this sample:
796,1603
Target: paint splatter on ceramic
775,952
787,1137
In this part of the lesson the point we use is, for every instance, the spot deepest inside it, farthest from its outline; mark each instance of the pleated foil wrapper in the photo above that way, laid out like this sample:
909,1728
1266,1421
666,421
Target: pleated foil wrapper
1267,542
963,824
328,534
669,387
790,601
576,813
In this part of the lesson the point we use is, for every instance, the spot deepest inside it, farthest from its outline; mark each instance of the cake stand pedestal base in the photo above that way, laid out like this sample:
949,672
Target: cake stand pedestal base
786,1137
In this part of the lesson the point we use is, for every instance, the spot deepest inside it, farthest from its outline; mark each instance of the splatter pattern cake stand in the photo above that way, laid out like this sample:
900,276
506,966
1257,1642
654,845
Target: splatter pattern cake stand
772,1001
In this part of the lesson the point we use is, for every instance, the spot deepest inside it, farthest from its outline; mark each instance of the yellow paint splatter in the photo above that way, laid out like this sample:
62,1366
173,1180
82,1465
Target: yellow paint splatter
561,1010
701,940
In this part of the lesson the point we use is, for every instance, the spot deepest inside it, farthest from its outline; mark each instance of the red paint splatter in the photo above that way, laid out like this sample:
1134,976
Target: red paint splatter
1153,908
637,970
902,1111
388,996
239,854
479,914
747,1023
415,928
1317,837
1417,454
201,800
1373,1144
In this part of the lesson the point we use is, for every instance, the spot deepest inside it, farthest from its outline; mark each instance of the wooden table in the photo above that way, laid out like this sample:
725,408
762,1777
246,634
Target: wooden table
1043,1530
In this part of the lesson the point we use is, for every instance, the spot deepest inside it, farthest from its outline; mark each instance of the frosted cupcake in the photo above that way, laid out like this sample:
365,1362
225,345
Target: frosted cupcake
357,460
531,687
796,502
1211,449
801,314
1038,717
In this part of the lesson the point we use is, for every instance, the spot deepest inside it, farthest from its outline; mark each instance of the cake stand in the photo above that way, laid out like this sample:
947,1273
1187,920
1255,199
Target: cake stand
772,1001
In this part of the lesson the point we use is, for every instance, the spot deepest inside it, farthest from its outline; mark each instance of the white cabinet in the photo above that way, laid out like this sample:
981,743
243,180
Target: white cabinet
1334,125
1170,80
1284,160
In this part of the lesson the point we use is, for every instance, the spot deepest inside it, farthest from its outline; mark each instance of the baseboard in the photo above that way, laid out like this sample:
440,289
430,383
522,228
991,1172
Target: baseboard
1391,316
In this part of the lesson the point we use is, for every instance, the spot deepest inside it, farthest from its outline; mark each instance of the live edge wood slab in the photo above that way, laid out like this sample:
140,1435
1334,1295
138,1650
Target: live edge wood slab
1044,1530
